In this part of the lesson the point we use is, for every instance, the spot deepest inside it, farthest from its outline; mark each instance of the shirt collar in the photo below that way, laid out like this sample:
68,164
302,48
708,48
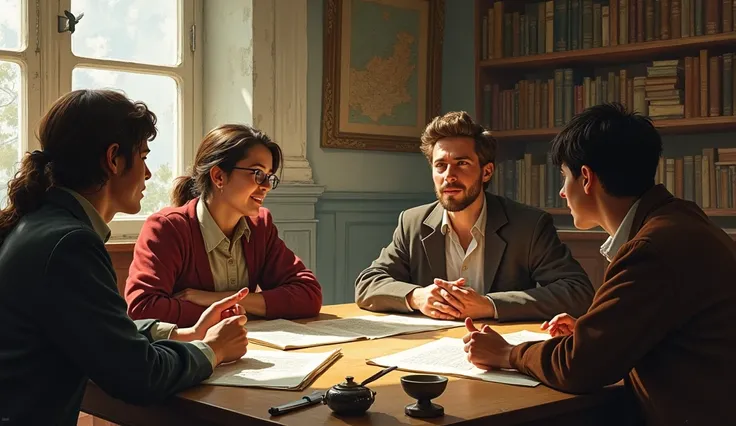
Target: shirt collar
212,233
621,237
98,223
479,226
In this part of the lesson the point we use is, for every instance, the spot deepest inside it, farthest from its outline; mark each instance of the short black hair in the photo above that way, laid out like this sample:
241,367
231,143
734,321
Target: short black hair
621,147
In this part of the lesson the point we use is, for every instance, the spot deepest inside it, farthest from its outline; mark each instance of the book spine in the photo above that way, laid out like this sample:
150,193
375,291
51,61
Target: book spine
699,15
641,28
712,17
632,21
664,20
597,22
728,84
676,19
516,35
688,87
508,35
685,19
689,178
704,83
541,30
714,82
569,102
727,17
623,22
523,36
605,26
575,41
613,17
587,24
549,26
499,30
698,183
559,98
649,20
561,25
491,33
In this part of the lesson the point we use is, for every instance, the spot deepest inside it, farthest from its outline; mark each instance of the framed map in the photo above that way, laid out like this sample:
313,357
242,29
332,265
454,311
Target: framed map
382,68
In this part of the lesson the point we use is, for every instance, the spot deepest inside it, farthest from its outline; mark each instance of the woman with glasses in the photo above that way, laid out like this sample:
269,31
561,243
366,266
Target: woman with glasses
219,239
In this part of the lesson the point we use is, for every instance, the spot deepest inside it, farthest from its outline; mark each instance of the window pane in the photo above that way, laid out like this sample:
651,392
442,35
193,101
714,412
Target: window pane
160,93
10,126
10,24
142,31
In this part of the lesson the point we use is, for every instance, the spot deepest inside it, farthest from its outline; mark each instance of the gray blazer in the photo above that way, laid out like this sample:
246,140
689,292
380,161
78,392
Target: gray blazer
529,273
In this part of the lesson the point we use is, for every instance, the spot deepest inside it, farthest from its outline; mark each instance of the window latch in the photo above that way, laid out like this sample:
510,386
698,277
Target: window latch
68,22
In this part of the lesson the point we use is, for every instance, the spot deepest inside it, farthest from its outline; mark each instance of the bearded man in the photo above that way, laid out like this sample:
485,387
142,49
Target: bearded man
471,253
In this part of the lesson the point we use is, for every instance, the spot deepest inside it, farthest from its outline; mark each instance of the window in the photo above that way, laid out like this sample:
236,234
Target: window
13,46
147,49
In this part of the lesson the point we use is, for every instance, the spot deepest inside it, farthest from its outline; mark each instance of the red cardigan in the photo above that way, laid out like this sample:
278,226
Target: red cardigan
170,256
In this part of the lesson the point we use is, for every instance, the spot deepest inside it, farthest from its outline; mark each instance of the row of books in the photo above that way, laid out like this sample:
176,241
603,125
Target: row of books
708,179
699,86
565,25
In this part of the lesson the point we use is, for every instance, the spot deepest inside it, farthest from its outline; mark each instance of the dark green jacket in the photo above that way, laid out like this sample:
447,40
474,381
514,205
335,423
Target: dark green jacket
62,323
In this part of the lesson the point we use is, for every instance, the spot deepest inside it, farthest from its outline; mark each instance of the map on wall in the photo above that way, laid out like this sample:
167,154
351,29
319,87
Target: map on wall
383,75
383,65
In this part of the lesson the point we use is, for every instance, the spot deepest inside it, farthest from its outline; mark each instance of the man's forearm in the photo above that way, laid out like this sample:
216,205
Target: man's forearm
255,304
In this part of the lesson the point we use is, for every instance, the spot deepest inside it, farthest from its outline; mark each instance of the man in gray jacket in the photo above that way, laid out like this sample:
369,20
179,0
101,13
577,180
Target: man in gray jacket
472,254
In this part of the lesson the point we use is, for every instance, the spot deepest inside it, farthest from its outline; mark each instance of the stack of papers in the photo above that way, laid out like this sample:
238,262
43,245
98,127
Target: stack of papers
285,334
446,356
273,369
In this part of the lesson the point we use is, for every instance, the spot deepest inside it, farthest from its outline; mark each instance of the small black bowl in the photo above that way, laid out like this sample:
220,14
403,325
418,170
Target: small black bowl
424,388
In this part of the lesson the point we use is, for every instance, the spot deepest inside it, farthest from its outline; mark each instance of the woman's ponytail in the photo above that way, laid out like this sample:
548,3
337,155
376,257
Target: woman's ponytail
185,189
26,190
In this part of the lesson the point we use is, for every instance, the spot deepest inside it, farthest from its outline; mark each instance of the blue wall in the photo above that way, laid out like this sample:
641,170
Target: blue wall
366,190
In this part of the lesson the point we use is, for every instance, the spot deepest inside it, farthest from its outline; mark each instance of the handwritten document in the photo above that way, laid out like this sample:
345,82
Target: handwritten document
285,334
446,356
273,369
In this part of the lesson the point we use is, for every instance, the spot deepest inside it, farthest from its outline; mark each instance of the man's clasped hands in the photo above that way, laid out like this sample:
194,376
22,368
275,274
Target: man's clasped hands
486,349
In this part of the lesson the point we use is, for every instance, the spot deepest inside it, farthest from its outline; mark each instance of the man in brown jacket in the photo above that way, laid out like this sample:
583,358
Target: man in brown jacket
472,253
666,311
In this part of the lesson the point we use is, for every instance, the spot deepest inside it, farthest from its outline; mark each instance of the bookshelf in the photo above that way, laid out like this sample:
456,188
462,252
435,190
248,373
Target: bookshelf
539,62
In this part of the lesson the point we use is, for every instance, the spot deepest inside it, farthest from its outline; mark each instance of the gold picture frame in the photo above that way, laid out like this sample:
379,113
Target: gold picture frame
396,90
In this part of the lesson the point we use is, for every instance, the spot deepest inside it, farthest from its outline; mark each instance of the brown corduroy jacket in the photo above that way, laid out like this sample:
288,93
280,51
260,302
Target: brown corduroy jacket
665,316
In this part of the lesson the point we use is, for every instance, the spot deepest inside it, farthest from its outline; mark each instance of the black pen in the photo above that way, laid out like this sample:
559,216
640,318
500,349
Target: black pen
314,398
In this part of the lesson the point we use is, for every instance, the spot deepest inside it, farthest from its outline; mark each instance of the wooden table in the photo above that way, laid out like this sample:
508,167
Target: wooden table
466,401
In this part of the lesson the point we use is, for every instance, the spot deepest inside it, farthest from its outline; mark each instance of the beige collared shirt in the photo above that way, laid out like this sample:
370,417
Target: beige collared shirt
226,257
461,263
621,237
161,330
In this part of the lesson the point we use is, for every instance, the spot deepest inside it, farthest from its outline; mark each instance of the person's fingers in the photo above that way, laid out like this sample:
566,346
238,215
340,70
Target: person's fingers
445,308
229,301
469,325
486,329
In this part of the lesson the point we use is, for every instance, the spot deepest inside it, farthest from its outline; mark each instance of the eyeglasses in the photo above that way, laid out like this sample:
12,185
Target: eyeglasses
261,176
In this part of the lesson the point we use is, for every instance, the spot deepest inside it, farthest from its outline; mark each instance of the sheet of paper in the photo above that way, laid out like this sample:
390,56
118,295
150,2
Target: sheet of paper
524,336
273,369
285,334
446,356
377,327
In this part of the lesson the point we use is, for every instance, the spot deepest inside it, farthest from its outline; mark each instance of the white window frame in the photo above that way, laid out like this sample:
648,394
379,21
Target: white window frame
30,69
47,62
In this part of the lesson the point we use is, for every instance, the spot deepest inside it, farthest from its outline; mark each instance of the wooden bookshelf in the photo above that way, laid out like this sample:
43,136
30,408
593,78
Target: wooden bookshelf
635,52
526,87
674,126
